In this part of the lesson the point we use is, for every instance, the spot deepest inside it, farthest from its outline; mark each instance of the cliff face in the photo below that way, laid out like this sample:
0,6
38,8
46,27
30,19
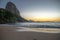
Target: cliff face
10,14
12,8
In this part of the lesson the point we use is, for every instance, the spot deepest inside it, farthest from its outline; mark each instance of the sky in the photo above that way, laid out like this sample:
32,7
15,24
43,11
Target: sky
36,10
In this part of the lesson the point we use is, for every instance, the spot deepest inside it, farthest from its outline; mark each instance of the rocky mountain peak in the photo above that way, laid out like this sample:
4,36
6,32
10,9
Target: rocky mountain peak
12,8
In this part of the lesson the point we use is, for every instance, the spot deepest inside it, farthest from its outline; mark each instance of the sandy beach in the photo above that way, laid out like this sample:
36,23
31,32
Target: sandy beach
10,33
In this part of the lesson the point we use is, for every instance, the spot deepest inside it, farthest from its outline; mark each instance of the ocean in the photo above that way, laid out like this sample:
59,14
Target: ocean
34,24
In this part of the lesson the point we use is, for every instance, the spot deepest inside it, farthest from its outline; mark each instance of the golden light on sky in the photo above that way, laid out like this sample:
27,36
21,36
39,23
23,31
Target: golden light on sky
41,11
43,16
37,10
44,19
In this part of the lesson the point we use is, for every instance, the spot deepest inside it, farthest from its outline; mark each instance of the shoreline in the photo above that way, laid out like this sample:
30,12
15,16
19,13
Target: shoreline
19,29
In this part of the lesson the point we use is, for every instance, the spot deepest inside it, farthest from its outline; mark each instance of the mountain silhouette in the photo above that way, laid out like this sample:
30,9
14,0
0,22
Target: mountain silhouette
12,8
10,14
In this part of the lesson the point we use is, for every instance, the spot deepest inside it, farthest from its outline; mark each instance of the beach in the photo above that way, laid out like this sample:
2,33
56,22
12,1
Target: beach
14,33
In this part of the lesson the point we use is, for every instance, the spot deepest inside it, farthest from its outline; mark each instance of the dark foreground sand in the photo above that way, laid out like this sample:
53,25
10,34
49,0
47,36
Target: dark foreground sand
14,35
10,33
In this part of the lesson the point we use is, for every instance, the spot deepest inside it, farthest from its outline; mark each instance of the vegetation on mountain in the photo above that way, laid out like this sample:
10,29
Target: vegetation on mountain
9,17
6,16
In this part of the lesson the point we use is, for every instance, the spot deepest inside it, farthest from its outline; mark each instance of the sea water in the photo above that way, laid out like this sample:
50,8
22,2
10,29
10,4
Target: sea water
34,24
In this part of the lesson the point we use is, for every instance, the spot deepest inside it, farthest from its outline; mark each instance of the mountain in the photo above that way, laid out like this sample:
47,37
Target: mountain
10,14
6,16
12,8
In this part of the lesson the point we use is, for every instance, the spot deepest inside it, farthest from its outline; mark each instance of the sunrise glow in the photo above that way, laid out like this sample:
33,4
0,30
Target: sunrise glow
44,19
42,16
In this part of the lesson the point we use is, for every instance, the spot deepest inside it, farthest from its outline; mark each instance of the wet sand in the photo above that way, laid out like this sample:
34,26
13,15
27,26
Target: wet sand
27,35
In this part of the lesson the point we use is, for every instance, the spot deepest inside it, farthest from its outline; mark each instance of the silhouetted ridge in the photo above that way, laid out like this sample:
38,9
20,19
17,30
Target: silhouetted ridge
12,8
10,14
